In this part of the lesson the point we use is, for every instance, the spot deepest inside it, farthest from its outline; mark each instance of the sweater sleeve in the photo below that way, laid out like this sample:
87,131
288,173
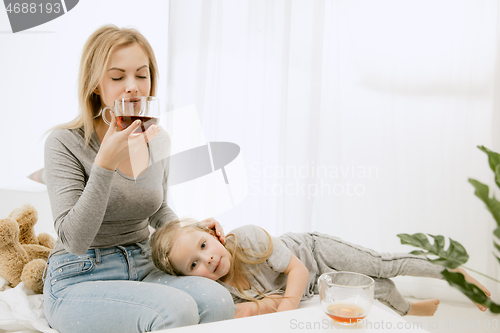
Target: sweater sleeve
78,204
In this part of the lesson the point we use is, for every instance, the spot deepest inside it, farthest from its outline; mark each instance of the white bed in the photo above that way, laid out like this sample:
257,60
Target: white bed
21,310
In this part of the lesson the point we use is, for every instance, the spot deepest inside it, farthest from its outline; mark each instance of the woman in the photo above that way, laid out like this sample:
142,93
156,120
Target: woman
105,188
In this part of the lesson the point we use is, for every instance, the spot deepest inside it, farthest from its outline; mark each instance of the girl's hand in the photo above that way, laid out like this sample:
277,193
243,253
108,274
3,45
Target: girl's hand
266,305
245,309
211,223
118,145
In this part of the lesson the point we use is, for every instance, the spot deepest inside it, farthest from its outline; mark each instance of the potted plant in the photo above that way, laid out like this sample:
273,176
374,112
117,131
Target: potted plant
456,255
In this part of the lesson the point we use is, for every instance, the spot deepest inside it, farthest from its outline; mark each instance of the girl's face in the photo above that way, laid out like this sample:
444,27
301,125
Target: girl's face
127,75
198,253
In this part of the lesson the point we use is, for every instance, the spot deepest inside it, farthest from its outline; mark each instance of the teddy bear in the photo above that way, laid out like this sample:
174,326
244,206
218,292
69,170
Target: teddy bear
23,254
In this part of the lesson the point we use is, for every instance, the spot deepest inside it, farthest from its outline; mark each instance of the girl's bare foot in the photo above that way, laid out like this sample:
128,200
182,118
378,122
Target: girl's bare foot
423,308
470,279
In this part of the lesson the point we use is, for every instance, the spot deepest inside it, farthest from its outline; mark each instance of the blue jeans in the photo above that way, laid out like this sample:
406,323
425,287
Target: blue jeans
118,289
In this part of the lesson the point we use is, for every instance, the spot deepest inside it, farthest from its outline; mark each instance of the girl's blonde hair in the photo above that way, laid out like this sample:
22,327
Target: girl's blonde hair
95,57
244,262
162,241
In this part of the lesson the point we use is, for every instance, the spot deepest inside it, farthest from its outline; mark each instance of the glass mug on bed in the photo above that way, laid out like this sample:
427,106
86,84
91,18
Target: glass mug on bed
346,297
128,110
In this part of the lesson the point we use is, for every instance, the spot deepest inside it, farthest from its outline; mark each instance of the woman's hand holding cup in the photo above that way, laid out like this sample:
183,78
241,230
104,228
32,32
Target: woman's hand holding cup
118,145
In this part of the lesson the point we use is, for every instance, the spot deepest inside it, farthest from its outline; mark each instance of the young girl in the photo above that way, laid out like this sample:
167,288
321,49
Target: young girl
106,187
256,267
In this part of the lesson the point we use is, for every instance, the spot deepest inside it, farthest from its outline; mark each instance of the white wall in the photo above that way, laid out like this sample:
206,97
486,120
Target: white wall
394,95
38,82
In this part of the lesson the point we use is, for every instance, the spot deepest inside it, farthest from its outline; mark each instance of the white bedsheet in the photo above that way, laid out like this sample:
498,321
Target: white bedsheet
21,310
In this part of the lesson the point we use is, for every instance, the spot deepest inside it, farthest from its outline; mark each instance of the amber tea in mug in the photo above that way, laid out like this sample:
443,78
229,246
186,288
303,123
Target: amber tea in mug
346,297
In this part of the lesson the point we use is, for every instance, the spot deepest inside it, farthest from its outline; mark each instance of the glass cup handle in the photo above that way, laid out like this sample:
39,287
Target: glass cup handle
103,114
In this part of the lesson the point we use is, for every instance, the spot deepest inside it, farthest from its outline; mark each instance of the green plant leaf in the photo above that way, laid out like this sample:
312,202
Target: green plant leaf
453,257
493,158
417,240
470,290
493,161
494,307
496,242
497,175
438,243
482,192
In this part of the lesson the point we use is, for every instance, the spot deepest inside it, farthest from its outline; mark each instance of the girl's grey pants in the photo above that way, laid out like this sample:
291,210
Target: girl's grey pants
332,253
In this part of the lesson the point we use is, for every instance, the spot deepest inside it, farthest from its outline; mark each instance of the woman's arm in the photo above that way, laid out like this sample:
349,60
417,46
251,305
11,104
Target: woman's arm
78,204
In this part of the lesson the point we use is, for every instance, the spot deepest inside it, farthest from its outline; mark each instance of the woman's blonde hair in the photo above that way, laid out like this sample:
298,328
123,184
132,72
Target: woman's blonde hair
95,57
244,262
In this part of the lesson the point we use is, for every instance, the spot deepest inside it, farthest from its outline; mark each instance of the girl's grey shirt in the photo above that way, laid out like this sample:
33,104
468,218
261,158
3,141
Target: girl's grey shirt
96,208
270,279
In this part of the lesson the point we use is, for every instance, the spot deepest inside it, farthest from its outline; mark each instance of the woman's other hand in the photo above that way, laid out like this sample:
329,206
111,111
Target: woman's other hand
211,223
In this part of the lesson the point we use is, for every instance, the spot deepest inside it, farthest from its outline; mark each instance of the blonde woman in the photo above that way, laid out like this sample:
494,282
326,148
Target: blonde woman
105,188
266,274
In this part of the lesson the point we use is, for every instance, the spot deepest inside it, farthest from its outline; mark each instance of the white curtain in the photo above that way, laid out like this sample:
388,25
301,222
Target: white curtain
38,83
38,87
355,118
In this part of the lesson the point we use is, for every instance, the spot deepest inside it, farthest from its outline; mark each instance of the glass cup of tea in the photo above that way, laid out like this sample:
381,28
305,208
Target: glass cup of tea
346,297
127,110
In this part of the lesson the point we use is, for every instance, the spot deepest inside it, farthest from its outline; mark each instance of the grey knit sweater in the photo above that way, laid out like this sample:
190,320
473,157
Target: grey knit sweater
94,207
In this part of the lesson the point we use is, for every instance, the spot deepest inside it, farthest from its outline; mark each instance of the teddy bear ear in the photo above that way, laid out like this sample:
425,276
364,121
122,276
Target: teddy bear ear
9,231
25,215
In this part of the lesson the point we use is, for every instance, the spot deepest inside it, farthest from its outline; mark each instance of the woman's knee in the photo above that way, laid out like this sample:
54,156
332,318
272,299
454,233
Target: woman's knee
224,305
184,312
142,312
214,301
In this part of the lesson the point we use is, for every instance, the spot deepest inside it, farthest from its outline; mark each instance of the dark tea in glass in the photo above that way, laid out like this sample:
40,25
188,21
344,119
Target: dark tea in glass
125,121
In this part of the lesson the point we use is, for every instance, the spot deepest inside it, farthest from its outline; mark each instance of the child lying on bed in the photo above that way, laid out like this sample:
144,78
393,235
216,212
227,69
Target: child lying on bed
267,274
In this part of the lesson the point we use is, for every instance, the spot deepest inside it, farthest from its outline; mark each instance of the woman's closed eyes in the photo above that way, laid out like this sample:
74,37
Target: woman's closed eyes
119,78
